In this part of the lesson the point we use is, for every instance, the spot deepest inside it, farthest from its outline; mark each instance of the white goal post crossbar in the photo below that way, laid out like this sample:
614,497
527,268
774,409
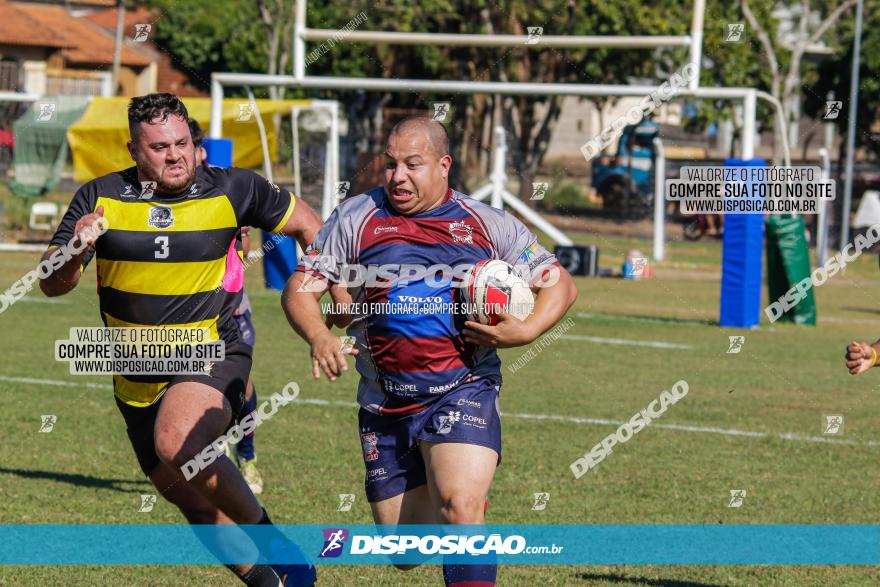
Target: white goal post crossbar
302,34
331,160
748,96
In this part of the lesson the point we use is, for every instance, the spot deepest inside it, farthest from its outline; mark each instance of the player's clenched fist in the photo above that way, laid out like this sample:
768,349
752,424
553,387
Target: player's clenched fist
328,355
89,228
860,356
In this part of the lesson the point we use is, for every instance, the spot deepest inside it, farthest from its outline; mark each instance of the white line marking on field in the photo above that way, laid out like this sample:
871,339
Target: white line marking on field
626,342
45,300
604,422
54,382
837,320
572,419
20,248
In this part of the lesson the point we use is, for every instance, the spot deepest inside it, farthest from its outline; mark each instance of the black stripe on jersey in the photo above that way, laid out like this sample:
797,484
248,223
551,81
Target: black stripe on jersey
190,246
158,309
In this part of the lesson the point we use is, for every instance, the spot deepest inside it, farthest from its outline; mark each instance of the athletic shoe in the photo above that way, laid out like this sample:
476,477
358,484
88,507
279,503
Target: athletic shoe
252,476
293,575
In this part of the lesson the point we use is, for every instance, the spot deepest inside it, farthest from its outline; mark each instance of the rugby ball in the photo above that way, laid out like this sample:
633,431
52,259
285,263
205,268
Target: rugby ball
493,286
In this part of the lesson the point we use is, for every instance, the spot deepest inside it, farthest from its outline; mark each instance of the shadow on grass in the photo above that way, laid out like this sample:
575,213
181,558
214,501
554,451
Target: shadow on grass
81,480
615,578
863,310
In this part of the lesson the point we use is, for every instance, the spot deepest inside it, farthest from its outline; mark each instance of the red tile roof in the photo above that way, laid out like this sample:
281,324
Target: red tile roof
84,43
169,78
17,27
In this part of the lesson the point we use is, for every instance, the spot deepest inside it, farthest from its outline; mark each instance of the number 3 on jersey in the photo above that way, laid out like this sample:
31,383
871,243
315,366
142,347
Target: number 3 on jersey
162,253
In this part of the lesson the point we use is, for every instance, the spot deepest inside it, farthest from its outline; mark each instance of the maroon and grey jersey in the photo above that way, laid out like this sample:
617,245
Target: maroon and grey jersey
406,324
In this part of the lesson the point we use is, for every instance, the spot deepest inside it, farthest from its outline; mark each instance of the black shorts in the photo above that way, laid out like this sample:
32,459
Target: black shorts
229,377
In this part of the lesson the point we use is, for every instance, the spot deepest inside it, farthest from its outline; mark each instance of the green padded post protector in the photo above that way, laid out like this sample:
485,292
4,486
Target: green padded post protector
788,262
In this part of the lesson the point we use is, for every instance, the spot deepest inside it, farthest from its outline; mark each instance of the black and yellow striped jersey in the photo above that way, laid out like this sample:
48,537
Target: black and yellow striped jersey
167,260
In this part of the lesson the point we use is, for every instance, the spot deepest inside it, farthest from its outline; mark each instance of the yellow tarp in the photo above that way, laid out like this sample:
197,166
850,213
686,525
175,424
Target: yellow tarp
97,140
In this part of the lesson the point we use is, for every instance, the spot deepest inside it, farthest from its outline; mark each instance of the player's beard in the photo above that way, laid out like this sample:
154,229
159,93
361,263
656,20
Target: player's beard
172,186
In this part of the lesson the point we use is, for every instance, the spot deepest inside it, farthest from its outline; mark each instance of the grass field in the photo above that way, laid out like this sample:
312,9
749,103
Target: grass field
782,383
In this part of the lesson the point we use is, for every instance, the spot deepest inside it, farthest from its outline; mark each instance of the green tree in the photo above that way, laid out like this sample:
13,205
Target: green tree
834,75
769,59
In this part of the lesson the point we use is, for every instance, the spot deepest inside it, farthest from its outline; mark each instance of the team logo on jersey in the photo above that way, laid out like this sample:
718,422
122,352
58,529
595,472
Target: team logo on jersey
462,232
369,440
128,192
383,229
529,252
161,217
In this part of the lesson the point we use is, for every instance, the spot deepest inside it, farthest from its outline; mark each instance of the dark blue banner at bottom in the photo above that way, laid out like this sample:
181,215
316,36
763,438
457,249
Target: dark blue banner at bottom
747,544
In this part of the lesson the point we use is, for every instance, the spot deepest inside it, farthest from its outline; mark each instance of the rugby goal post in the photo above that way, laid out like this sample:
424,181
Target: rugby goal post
279,255
694,43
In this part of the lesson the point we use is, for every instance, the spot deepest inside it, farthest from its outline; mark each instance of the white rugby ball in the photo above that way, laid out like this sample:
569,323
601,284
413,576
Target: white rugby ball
493,286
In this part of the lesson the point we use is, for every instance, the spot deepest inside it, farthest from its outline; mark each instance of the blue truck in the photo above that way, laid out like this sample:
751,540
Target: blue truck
626,180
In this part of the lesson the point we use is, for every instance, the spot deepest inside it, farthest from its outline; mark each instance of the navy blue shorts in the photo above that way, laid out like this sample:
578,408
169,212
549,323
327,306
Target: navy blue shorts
467,414
246,326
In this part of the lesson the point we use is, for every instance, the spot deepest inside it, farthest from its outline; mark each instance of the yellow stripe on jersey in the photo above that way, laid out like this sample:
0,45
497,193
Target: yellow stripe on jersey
156,278
139,395
287,214
188,215
210,324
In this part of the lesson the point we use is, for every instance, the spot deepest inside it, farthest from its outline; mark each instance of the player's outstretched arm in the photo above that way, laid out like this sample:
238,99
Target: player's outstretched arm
861,356
300,302
66,276
551,304
303,224
337,316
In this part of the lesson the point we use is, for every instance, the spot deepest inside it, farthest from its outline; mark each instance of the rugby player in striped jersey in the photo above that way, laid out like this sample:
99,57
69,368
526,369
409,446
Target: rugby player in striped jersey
169,259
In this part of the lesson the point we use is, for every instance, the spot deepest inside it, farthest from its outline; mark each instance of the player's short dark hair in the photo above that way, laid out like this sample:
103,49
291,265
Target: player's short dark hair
198,135
438,136
150,107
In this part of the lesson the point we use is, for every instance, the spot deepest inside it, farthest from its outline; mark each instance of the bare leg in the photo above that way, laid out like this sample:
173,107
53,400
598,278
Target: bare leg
459,478
192,504
191,417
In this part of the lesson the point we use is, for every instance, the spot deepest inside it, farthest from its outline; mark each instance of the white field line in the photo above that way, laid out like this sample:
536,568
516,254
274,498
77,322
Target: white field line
45,300
550,417
603,422
55,382
627,342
